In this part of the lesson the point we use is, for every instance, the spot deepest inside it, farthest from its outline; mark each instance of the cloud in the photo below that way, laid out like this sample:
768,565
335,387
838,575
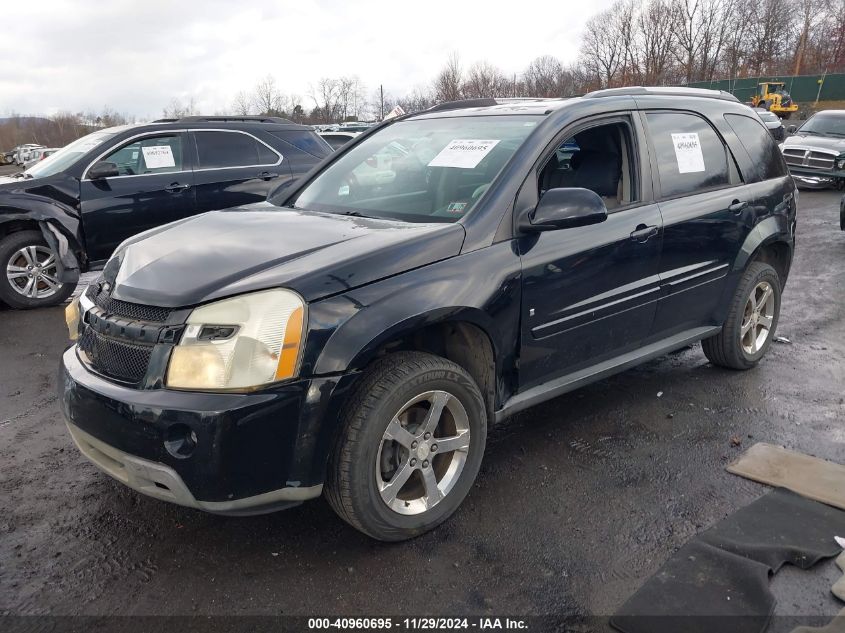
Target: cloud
135,56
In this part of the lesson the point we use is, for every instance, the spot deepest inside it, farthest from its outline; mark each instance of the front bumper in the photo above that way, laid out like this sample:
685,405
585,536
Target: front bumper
813,182
225,453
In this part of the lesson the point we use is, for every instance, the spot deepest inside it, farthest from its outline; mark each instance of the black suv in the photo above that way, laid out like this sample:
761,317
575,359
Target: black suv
357,338
68,213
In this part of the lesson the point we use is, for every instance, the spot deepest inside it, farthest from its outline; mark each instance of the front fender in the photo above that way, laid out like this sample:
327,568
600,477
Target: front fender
481,287
59,223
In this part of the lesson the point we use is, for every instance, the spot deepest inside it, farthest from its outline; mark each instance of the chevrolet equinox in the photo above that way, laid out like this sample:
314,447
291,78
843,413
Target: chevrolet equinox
355,335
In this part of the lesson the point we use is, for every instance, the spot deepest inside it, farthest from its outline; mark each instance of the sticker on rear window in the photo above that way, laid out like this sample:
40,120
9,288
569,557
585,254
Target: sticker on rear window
463,153
688,152
158,156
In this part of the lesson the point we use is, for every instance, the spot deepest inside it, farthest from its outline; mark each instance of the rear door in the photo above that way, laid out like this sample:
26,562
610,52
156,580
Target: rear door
235,168
154,187
706,217
589,293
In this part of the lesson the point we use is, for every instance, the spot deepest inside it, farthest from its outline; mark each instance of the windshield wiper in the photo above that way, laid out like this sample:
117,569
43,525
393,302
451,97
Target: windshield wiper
22,174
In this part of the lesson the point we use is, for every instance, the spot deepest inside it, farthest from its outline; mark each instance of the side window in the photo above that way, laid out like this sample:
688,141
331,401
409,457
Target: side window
690,155
765,156
599,158
219,150
150,155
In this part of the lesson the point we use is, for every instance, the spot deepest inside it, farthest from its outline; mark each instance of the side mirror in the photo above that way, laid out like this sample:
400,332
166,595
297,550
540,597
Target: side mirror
103,169
792,129
565,209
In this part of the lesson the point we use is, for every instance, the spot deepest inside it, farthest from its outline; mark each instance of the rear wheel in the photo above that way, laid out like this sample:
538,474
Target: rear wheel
29,276
410,446
751,323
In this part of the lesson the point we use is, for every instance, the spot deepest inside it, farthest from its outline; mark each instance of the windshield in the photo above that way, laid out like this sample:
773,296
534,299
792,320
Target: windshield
66,156
425,170
827,123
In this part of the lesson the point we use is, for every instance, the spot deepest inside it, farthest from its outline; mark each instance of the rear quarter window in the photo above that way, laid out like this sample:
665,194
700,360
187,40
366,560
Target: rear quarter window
766,159
690,155
308,142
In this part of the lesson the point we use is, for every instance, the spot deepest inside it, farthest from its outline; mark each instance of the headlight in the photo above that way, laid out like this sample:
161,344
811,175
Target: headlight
840,164
72,315
239,343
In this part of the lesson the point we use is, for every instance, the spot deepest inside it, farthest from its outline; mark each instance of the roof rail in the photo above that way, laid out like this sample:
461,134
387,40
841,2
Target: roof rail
677,91
165,120
463,103
225,118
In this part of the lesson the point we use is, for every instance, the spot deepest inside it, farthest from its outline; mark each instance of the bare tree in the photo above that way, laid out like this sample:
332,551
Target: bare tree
601,51
242,104
484,80
176,109
447,84
267,99
654,24
546,77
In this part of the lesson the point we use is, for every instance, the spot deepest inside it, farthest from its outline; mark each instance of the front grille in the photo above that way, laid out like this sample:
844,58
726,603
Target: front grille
115,359
808,158
134,311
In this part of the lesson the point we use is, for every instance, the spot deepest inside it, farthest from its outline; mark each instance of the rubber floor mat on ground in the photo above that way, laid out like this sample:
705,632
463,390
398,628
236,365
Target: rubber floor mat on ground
719,581
810,477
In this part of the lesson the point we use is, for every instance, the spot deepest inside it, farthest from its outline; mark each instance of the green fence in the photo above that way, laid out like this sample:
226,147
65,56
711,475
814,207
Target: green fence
803,88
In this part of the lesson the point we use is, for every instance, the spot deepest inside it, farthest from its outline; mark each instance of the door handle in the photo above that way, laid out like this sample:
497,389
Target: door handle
267,175
176,188
737,206
643,233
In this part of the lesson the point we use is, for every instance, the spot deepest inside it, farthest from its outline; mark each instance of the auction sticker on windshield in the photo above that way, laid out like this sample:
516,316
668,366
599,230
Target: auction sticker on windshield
158,156
688,152
463,153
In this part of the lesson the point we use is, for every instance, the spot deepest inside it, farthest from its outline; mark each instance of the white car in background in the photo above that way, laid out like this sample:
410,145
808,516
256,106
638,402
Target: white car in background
38,154
22,155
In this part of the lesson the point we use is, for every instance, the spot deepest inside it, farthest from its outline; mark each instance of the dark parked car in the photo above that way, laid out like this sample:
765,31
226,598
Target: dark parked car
355,340
68,213
815,152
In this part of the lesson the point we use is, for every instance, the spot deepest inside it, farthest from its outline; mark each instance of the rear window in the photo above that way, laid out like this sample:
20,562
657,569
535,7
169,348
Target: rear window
690,155
220,150
766,159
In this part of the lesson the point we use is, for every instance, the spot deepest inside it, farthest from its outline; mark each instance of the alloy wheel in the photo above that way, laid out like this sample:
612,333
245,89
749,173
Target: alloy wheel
32,272
757,318
422,452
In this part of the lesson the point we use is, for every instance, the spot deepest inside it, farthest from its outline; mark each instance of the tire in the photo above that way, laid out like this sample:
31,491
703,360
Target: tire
363,455
17,252
735,347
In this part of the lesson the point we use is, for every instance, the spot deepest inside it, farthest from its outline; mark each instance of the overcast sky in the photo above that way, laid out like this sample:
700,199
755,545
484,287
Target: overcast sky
135,56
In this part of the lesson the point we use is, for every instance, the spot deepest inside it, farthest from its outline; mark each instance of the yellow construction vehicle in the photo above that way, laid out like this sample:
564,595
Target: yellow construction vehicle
774,98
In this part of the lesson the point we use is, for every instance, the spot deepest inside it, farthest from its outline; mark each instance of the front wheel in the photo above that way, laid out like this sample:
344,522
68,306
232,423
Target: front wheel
410,446
29,272
751,323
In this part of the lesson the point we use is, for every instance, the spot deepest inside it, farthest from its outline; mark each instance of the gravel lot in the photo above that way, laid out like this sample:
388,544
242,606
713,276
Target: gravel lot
578,502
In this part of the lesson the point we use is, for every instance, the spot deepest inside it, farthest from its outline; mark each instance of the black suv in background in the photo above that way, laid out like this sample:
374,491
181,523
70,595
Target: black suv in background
358,337
68,213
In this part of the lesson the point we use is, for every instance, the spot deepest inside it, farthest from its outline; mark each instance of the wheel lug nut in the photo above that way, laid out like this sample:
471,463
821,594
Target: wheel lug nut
413,444
433,447
413,462
426,436
425,464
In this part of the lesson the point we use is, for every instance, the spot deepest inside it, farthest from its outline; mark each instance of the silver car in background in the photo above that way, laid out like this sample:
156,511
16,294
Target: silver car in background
815,152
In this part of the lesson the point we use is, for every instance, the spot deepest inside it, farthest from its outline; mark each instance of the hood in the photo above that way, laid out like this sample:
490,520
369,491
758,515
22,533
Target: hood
229,252
814,141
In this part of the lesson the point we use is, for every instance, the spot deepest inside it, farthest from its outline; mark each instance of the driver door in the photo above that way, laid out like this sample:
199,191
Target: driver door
590,293
155,185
